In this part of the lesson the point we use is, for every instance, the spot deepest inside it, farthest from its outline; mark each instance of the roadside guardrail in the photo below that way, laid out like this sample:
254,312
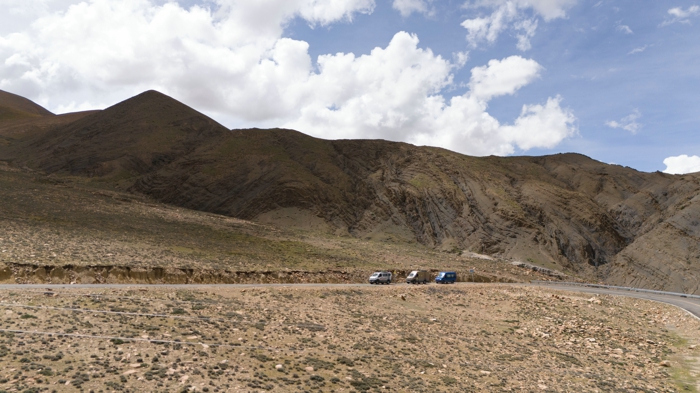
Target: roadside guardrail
581,284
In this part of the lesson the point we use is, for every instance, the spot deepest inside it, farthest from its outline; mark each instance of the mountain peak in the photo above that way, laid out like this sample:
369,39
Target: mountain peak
132,137
17,106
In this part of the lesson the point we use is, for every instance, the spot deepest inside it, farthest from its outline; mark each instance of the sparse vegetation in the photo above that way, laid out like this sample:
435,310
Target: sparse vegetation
505,338
67,231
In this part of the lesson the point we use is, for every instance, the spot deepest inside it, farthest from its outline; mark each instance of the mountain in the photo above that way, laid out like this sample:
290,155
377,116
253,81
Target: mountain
566,211
13,106
22,118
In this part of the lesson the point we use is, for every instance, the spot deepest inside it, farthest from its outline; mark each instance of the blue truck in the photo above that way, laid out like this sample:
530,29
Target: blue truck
446,278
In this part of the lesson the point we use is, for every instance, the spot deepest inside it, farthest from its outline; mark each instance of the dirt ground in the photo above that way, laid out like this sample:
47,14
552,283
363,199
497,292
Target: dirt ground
430,338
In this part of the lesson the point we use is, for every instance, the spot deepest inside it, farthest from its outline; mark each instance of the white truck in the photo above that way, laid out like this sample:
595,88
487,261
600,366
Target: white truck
380,278
418,277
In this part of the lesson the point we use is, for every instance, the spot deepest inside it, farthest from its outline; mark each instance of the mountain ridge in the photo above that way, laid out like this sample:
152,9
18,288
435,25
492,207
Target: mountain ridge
564,211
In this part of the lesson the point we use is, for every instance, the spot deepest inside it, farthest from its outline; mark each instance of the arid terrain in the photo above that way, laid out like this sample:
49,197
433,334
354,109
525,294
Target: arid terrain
565,212
152,191
461,338
62,231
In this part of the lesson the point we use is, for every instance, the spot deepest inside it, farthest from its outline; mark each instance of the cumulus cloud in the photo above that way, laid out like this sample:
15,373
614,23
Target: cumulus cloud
231,59
407,7
682,164
518,16
408,105
501,77
628,123
680,15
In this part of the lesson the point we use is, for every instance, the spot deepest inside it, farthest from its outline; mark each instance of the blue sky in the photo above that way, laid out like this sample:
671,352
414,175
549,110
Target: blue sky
615,80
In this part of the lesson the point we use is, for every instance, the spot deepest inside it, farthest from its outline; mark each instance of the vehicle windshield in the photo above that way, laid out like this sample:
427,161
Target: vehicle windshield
441,275
412,274
375,275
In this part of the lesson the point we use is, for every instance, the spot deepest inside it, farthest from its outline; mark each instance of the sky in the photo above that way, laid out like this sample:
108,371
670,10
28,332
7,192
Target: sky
616,80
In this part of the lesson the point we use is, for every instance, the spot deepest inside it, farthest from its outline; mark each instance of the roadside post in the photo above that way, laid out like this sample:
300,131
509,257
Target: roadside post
471,274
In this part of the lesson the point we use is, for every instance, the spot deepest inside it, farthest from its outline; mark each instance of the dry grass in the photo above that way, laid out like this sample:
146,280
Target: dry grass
349,339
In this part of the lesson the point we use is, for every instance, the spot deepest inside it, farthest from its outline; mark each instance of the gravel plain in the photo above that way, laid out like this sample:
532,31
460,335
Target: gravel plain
428,338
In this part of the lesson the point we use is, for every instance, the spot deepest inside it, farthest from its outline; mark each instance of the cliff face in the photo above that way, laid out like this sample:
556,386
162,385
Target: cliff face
565,211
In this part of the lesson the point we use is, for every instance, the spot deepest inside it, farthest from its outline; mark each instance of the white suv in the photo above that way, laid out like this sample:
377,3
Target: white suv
380,278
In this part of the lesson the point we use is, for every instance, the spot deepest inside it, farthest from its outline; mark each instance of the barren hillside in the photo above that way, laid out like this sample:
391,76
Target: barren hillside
567,211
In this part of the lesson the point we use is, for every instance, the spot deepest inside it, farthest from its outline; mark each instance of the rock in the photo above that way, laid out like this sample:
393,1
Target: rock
279,367
309,369
665,363
403,297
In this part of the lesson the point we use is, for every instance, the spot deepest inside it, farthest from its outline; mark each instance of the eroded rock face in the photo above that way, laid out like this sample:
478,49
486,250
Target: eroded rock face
564,210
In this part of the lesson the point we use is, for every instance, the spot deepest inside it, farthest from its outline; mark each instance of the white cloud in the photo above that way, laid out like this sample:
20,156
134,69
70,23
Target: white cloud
501,77
638,50
402,101
628,123
489,28
511,15
680,15
233,62
682,164
625,29
461,58
547,9
541,125
527,28
407,7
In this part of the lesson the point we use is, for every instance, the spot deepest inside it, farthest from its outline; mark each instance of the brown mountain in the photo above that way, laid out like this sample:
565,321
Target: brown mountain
565,211
14,106
21,118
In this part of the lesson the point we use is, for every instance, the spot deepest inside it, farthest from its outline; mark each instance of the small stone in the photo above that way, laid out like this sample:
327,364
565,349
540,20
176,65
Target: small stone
484,372
279,367
665,363
309,369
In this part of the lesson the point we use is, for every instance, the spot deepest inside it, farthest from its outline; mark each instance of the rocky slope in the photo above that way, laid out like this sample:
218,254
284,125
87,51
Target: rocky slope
567,211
